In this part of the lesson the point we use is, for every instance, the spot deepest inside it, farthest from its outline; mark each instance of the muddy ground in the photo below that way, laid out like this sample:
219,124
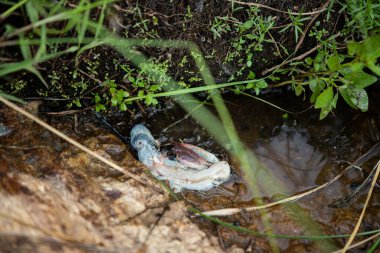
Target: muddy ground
55,198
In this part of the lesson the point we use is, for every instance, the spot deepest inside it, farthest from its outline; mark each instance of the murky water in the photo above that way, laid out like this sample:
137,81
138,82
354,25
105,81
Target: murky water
300,152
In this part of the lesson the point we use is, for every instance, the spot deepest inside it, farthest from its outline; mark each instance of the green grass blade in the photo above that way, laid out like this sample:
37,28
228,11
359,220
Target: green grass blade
101,20
12,9
42,49
8,68
24,47
12,98
82,26
374,246
256,233
38,74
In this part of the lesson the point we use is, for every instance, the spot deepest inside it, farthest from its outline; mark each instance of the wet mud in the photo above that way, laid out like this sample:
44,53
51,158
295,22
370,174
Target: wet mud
55,198
300,153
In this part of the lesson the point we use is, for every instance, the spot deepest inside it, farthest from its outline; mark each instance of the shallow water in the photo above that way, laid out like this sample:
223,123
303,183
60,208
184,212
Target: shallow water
300,152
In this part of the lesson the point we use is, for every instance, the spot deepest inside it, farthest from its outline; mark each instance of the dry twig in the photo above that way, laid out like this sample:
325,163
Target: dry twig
274,9
356,229
309,25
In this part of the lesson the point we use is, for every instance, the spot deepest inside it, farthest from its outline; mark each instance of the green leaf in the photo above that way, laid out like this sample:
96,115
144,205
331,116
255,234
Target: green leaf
131,79
357,66
317,66
325,98
319,57
154,101
154,87
313,85
149,99
359,97
250,85
368,53
262,84
97,98
140,93
251,75
324,112
298,90
352,46
335,100
309,61
251,36
360,79
333,62
114,101
274,78
100,107
120,95
123,107
248,24
77,103
314,96
42,47
346,96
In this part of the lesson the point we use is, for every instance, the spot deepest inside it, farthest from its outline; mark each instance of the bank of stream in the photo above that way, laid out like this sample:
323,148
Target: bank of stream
56,198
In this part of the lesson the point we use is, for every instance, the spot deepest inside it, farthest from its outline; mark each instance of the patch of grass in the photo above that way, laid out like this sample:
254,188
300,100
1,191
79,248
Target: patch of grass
362,18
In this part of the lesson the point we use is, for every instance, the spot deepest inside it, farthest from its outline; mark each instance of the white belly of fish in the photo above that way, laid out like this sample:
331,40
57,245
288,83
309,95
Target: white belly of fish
191,179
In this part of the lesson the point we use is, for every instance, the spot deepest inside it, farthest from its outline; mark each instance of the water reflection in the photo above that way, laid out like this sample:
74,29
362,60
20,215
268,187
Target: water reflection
290,157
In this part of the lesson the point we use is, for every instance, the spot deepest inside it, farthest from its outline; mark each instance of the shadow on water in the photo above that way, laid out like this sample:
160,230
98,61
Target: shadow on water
299,150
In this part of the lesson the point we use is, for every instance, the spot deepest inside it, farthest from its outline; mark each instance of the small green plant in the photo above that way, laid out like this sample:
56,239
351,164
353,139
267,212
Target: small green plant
112,97
220,26
328,75
296,24
142,27
143,83
363,17
250,37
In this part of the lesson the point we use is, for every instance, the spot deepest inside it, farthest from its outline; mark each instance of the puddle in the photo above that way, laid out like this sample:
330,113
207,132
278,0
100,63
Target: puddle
300,152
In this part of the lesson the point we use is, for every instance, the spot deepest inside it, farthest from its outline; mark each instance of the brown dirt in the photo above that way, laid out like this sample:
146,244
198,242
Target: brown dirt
56,198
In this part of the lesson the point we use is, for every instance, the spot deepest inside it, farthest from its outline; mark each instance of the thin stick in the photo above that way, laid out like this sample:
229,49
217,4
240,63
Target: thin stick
69,111
309,25
300,57
75,143
356,229
273,9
